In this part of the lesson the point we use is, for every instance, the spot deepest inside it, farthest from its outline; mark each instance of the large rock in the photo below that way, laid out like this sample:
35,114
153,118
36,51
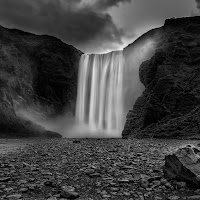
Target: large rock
170,105
184,165
34,71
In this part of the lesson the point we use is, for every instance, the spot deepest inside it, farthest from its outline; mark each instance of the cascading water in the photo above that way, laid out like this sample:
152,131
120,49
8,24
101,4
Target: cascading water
100,93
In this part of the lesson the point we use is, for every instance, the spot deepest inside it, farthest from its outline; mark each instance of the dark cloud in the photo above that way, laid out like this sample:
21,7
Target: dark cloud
106,4
198,3
82,23
196,12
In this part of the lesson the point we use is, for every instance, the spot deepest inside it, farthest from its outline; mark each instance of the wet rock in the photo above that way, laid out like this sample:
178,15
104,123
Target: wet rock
5,179
156,183
181,184
8,189
106,196
169,186
157,198
22,182
173,198
144,183
23,190
123,180
184,165
93,175
52,198
194,197
26,164
69,192
89,171
163,181
14,196
197,191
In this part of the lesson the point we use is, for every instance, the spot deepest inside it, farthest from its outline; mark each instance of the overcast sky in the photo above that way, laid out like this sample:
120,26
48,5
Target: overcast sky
93,26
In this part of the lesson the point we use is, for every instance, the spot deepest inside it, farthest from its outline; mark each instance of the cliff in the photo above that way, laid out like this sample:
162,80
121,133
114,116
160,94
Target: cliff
170,104
34,71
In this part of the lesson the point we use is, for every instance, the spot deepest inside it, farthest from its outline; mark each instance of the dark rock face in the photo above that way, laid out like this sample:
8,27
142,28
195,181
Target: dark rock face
184,165
170,104
35,70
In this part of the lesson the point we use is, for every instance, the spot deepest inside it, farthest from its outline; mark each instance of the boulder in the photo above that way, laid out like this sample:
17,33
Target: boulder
184,165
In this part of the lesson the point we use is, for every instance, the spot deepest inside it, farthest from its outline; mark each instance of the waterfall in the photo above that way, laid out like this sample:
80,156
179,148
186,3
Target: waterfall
100,96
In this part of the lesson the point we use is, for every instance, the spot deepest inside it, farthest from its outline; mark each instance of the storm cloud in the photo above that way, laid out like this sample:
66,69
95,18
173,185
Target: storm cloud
196,12
198,4
106,4
85,24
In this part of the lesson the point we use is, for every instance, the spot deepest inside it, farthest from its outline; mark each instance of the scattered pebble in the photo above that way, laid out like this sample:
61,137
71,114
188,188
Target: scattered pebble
60,169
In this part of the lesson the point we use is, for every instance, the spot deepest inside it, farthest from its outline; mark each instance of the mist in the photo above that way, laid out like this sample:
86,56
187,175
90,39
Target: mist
65,124
134,56
62,124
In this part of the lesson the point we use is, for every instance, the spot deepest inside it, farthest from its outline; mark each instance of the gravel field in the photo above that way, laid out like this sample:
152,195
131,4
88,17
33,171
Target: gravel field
87,169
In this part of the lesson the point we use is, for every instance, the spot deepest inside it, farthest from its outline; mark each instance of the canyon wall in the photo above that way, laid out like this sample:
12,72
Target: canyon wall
38,71
170,104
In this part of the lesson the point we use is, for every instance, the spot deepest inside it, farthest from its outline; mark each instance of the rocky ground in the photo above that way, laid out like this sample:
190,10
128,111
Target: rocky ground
88,169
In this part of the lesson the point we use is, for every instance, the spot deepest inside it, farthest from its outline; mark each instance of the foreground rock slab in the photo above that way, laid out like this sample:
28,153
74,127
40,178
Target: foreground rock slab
184,165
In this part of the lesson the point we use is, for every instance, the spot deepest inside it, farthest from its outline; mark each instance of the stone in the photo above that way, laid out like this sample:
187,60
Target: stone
157,198
144,183
94,175
163,181
127,194
89,171
184,165
181,184
5,179
168,185
23,190
52,198
194,197
2,186
173,198
156,183
123,180
8,189
22,182
26,164
106,196
14,196
197,191
69,192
